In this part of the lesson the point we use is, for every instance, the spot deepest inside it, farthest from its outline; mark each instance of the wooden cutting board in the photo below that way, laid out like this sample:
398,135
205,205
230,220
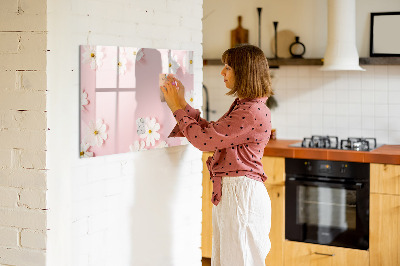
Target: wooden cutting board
239,35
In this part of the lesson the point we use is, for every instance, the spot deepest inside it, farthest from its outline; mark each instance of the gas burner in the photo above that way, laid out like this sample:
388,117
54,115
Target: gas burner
358,144
332,142
327,142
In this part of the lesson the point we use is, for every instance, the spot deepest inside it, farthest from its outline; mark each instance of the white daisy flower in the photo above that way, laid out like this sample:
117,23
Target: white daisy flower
93,55
138,53
162,144
138,146
151,133
188,62
190,97
84,100
173,65
97,133
122,65
84,150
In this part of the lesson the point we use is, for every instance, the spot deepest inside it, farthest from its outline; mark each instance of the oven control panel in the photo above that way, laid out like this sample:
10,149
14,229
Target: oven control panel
336,169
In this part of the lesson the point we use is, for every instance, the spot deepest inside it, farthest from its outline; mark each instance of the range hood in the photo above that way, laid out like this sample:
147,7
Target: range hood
341,51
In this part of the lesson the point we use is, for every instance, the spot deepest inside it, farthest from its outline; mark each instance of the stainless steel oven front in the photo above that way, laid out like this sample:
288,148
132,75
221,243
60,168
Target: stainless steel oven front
327,202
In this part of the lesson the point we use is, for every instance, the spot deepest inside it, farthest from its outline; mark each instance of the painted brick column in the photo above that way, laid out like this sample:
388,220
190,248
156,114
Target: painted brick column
23,126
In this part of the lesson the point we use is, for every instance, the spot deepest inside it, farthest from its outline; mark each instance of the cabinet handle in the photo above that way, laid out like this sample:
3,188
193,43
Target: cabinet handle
324,254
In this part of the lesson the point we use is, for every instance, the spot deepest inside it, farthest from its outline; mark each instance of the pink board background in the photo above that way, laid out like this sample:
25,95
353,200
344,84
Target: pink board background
121,89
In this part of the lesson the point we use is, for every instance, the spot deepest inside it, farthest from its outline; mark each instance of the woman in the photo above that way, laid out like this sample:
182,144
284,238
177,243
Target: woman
242,209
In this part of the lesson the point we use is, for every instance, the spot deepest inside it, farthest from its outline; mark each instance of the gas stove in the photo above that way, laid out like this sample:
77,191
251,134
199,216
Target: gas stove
332,142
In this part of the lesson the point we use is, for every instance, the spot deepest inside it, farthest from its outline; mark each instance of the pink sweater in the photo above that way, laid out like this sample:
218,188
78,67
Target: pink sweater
238,139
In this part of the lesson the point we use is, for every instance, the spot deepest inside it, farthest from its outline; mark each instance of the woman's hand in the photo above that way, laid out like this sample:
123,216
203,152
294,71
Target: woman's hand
171,96
181,90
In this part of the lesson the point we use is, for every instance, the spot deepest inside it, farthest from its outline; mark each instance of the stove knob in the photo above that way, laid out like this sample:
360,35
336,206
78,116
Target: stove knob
343,168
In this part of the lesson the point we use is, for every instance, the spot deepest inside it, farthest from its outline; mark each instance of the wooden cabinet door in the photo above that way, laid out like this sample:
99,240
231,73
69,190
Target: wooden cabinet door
274,168
304,254
277,233
384,236
206,226
385,178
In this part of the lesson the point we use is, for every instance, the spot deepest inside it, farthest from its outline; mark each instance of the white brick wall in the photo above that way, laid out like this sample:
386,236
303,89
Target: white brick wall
127,209
23,132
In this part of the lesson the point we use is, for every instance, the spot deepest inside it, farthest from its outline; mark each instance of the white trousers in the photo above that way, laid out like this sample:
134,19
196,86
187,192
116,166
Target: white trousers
241,223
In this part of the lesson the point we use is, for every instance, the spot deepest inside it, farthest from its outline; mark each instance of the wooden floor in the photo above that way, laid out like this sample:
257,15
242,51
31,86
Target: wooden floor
206,261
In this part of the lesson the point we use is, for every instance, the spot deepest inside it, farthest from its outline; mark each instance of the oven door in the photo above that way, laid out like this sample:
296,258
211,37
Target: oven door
327,213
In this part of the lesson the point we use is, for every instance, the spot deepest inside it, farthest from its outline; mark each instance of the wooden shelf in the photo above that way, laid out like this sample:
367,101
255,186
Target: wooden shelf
380,61
273,63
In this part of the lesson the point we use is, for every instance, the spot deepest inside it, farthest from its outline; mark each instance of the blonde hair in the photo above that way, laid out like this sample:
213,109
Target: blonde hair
250,66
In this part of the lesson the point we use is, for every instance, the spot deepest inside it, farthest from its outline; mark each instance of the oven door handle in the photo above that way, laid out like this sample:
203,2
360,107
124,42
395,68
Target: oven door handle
357,185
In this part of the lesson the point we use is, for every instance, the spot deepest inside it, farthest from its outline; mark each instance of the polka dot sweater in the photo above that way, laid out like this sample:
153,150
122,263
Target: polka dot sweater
238,139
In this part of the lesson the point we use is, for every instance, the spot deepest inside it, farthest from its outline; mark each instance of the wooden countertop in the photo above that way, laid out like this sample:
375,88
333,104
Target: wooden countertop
389,154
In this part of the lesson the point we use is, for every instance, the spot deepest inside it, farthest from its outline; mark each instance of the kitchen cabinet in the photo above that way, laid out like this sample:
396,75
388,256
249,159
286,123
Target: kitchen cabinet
206,225
385,178
274,168
305,254
385,215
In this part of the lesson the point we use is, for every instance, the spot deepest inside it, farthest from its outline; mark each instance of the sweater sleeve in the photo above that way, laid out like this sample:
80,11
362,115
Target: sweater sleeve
193,113
229,131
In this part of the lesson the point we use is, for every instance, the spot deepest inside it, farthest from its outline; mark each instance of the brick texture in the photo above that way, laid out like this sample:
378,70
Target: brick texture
23,126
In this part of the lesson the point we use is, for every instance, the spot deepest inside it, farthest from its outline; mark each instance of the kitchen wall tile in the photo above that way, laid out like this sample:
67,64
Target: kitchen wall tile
381,110
342,109
393,71
394,123
292,83
355,122
368,122
367,96
317,120
317,108
380,84
394,137
316,82
329,122
291,71
342,80
380,71
394,110
304,72
367,133
342,96
381,97
355,96
317,131
329,93
342,133
315,71
355,109
355,132
382,123
367,110
394,83
342,122
328,74
329,109
367,82
382,136
354,80
303,82
394,97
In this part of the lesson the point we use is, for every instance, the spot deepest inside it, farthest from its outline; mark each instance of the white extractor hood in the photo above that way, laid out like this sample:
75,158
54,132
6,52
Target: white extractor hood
341,51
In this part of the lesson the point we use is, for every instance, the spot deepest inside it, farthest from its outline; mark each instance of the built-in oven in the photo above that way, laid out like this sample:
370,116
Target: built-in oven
327,202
